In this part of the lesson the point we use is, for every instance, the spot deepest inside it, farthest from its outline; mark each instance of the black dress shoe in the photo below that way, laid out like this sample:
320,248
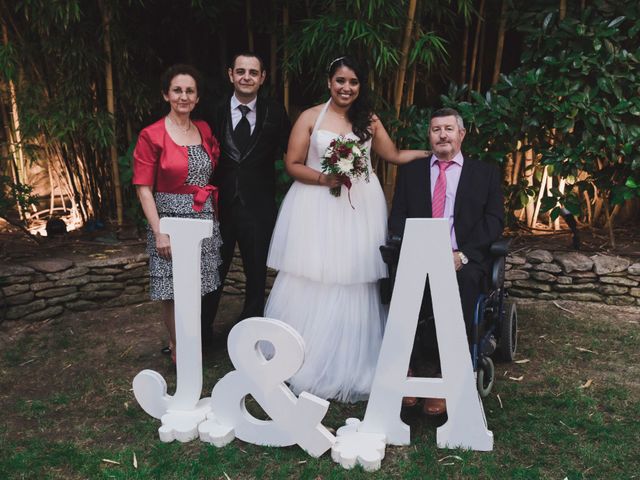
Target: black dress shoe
166,350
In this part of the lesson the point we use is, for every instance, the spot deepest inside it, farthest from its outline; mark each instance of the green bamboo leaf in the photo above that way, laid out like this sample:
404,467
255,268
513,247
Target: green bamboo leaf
615,22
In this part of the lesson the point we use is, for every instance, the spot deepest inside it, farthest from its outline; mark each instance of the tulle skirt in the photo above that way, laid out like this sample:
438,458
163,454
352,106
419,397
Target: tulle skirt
327,255
320,237
342,328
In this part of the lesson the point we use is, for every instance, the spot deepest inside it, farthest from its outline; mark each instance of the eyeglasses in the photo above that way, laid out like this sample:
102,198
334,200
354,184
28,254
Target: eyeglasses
189,91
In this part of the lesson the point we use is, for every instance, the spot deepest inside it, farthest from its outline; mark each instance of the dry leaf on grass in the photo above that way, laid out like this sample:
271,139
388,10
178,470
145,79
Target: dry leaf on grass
499,400
524,360
450,456
135,461
587,384
563,308
112,462
517,379
581,349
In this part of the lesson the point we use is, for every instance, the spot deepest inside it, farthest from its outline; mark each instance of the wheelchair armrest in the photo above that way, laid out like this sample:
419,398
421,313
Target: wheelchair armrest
500,248
391,250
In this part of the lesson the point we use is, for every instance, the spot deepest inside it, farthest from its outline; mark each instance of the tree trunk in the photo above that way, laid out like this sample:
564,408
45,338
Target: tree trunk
502,28
404,56
108,70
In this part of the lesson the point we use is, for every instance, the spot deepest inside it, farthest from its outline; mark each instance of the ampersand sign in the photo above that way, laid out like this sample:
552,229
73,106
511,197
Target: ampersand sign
294,420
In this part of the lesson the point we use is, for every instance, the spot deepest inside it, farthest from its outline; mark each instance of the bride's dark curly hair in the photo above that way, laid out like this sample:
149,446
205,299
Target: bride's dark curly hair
360,112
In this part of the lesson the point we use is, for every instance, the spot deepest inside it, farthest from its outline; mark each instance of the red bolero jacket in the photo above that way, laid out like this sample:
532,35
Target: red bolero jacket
161,163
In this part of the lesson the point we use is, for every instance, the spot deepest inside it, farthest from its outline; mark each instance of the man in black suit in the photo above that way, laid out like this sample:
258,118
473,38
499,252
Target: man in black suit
253,132
466,191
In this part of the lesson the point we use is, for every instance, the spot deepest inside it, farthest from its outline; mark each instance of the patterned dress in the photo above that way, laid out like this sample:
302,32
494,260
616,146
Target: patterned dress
181,205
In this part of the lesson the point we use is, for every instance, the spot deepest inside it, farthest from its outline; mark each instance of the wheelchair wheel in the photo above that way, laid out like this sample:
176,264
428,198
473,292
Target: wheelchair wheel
508,332
486,376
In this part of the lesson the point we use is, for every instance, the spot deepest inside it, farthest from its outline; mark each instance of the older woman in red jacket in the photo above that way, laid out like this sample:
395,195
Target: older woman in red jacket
173,162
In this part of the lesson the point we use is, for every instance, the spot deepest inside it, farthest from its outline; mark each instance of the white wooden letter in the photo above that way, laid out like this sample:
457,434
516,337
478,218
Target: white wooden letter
182,412
426,250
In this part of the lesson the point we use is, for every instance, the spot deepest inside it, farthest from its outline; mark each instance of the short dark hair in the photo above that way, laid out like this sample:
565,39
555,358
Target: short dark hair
448,112
180,69
247,54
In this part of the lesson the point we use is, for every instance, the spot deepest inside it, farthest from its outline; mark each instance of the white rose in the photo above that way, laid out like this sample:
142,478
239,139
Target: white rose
356,151
344,165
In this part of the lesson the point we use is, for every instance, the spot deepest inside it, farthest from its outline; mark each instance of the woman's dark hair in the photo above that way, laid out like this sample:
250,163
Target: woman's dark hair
180,69
360,113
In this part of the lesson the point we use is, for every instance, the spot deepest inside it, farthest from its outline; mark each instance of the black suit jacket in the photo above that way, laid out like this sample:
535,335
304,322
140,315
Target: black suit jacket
478,217
250,176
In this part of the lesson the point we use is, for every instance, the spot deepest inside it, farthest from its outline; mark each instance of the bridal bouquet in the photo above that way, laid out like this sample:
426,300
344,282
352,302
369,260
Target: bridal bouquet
348,159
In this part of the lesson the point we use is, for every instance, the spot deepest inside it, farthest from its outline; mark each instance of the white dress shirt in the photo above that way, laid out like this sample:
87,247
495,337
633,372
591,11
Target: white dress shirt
236,114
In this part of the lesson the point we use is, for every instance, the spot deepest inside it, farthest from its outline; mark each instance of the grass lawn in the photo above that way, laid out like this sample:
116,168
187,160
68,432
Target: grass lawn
570,409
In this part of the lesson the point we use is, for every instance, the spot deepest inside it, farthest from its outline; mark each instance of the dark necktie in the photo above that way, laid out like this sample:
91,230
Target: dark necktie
242,132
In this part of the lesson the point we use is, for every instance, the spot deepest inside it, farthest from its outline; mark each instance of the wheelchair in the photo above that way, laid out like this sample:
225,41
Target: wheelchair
494,330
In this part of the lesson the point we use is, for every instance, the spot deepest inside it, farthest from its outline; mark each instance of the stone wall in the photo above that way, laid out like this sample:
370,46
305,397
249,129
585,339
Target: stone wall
41,289
573,276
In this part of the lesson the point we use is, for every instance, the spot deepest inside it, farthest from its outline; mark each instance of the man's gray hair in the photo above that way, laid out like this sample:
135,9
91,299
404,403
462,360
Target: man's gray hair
448,112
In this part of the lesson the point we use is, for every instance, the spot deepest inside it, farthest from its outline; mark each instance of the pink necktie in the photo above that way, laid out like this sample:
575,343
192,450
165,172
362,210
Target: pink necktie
440,191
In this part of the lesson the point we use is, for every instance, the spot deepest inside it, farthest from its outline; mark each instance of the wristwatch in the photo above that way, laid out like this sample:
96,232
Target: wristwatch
463,258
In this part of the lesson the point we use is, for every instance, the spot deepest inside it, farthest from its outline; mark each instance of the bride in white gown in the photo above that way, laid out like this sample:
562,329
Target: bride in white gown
326,252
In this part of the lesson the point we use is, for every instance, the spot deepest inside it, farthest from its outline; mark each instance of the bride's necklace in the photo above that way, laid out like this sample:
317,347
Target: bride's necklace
180,127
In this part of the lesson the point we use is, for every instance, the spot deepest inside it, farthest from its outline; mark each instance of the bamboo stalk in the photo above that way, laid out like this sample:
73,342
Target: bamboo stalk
528,172
541,193
285,73
516,166
587,202
108,70
465,53
476,42
609,219
563,9
273,48
411,90
483,36
15,174
15,119
404,55
249,29
502,28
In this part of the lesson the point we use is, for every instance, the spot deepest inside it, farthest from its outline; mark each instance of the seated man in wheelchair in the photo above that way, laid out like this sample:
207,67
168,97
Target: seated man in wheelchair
468,193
